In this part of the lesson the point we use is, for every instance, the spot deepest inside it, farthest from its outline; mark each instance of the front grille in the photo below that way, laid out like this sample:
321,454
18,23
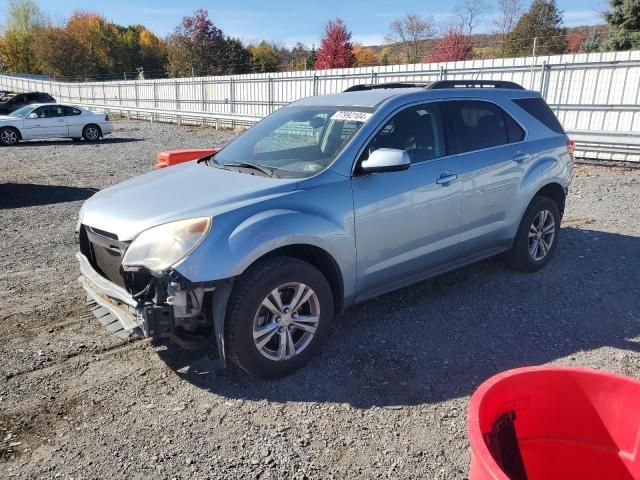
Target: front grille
104,252
108,263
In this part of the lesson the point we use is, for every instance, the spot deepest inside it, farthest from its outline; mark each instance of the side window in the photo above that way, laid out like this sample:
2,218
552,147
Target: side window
515,131
41,112
477,125
539,109
55,111
417,130
70,111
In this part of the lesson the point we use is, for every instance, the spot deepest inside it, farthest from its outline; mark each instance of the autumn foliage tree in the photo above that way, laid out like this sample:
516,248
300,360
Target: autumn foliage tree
453,46
364,56
336,49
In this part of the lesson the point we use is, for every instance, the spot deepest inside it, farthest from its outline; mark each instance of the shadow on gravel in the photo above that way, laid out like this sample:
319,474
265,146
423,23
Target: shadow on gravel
440,339
16,195
79,143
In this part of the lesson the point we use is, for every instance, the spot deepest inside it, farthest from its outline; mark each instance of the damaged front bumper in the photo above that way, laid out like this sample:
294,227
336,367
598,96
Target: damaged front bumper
125,316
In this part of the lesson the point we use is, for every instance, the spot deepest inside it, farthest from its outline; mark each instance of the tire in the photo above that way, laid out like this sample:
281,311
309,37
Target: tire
529,256
9,136
246,314
91,133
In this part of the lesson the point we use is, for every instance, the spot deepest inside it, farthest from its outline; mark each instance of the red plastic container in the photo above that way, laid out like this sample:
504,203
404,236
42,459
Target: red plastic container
166,159
570,423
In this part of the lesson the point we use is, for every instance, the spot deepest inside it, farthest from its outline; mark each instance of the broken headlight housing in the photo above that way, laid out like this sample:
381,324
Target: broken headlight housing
158,248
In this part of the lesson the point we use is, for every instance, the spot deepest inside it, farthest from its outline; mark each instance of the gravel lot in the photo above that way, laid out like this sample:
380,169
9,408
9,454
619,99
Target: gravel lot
387,397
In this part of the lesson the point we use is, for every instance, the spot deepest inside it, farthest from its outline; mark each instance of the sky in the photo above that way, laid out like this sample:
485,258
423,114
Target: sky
288,21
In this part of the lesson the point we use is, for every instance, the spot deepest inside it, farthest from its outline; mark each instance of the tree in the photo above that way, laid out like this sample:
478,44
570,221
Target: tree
410,33
237,57
25,21
593,43
57,54
470,14
365,57
509,11
453,46
544,21
197,46
625,20
336,50
265,57
575,40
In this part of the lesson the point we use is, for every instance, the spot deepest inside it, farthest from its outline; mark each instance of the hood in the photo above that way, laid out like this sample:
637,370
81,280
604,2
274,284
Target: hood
175,193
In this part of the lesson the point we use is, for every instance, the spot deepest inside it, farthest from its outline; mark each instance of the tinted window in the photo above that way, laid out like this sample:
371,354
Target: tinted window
43,97
515,131
477,125
69,111
416,130
539,109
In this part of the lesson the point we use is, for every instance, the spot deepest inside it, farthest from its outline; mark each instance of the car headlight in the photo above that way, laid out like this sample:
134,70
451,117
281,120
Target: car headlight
160,247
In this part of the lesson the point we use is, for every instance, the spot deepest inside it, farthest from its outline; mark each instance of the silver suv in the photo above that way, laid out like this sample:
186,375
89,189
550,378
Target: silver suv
329,201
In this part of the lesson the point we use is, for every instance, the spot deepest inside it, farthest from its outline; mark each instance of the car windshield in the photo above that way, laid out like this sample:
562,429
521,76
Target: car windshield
22,112
296,142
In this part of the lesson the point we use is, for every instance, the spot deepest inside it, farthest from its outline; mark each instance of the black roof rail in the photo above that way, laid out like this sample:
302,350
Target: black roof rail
376,86
474,84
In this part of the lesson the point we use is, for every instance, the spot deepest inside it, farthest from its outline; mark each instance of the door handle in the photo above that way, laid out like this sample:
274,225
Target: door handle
521,157
446,178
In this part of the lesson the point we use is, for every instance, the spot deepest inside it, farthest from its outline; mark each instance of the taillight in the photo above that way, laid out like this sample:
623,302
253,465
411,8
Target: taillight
571,148
106,118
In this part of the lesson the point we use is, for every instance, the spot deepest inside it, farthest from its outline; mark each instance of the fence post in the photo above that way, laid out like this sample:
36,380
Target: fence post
232,99
443,74
270,93
315,84
203,92
544,80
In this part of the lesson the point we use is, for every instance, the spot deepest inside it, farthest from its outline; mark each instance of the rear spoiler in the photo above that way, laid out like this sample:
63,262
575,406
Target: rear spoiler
174,157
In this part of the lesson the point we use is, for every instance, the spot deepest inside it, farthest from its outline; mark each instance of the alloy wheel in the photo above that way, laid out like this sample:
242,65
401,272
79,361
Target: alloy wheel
542,233
9,137
286,321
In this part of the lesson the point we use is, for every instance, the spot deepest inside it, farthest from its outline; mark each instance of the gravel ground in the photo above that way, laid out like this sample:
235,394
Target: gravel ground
387,397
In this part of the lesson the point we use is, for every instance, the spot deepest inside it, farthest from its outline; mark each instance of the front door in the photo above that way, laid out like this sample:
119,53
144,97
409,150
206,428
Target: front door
49,122
407,223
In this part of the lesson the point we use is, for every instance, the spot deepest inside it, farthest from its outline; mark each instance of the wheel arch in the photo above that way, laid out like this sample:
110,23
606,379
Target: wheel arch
321,260
555,192
92,124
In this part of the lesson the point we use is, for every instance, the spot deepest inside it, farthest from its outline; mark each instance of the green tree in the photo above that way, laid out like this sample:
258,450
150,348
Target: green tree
25,21
238,58
265,57
544,21
593,42
625,20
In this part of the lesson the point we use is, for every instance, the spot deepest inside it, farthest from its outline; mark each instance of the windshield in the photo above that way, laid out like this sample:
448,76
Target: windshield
22,112
296,142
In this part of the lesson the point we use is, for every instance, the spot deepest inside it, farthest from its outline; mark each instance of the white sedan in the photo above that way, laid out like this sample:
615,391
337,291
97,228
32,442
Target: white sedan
53,120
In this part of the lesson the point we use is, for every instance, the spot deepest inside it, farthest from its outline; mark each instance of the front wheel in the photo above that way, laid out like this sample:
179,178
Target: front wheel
91,133
278,316
537,237
9,136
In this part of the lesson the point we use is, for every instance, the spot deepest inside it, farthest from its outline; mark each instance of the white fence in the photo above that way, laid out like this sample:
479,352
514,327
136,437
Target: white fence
596,96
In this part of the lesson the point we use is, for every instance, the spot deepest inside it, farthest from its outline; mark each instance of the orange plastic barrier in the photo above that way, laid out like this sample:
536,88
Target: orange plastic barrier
555,423
166,159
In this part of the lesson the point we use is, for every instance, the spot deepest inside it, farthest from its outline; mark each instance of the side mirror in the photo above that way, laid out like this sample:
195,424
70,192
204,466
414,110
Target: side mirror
32,115
386,160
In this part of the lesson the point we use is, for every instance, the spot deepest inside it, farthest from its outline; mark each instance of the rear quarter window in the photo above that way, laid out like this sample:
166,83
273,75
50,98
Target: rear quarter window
539,109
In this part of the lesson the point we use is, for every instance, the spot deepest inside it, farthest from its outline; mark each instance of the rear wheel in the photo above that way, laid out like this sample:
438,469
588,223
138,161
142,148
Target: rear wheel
91,133
537,237
9,136
278,316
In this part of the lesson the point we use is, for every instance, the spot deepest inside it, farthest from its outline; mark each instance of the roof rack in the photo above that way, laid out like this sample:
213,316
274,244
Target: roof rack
376,86
440,84
474,84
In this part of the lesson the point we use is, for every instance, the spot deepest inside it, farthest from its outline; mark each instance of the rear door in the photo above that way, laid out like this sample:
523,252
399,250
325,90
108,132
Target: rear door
50,122
407,222
493,157
75,121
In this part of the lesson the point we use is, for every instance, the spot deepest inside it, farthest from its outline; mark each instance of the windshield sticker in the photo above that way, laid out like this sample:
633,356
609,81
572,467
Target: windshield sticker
351,116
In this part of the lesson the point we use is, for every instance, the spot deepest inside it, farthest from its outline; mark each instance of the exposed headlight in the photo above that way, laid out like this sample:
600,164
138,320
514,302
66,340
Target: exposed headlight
160,247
